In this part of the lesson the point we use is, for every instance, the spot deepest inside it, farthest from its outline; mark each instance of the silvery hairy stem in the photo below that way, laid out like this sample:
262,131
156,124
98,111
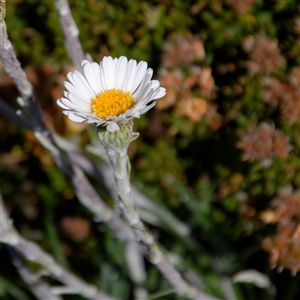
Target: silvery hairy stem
116,145
71,32
38,287
33,252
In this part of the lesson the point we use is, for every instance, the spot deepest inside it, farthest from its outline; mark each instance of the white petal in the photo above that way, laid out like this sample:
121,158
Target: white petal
79,102
66,104
74,90
143,102
102,78
130,75
85,61
161,93
90,120
109,65
148,107
82,101
121,72
155,84
125,121
144,87
149,73
80,82
97,71
139,75
92,75
61,103
76,118
111,127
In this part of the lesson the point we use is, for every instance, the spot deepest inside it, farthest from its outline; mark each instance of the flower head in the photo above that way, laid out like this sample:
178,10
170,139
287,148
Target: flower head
110,93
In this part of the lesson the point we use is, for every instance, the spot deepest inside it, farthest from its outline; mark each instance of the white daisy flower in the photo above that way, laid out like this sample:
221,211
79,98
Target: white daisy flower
110,93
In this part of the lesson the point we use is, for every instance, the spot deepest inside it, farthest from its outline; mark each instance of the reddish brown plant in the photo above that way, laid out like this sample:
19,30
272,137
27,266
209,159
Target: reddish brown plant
240,6
285,95
284,248
264,54
75,227
264,142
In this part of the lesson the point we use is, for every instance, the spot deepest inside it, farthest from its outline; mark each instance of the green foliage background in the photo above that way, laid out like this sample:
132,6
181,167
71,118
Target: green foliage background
182,172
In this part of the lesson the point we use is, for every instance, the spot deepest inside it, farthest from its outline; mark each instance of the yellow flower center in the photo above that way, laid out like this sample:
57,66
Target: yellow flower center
111,103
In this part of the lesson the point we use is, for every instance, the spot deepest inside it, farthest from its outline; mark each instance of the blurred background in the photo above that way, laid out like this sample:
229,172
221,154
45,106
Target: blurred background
221,151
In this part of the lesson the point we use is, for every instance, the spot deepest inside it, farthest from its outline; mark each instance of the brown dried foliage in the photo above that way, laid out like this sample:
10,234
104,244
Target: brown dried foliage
264,142
76,228
264,54
285,95
189,91
240,6
284,246
181,51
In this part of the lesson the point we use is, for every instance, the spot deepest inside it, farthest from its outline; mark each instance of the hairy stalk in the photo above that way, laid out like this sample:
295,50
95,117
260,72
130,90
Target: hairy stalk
39,288
71,32
10,62
116,145
10,114
147,209
33,252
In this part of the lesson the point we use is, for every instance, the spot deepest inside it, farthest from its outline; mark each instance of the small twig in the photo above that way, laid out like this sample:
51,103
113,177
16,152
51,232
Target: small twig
33,252
71,32
39,288
90,199
10,61
225,281
160,294
10,114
